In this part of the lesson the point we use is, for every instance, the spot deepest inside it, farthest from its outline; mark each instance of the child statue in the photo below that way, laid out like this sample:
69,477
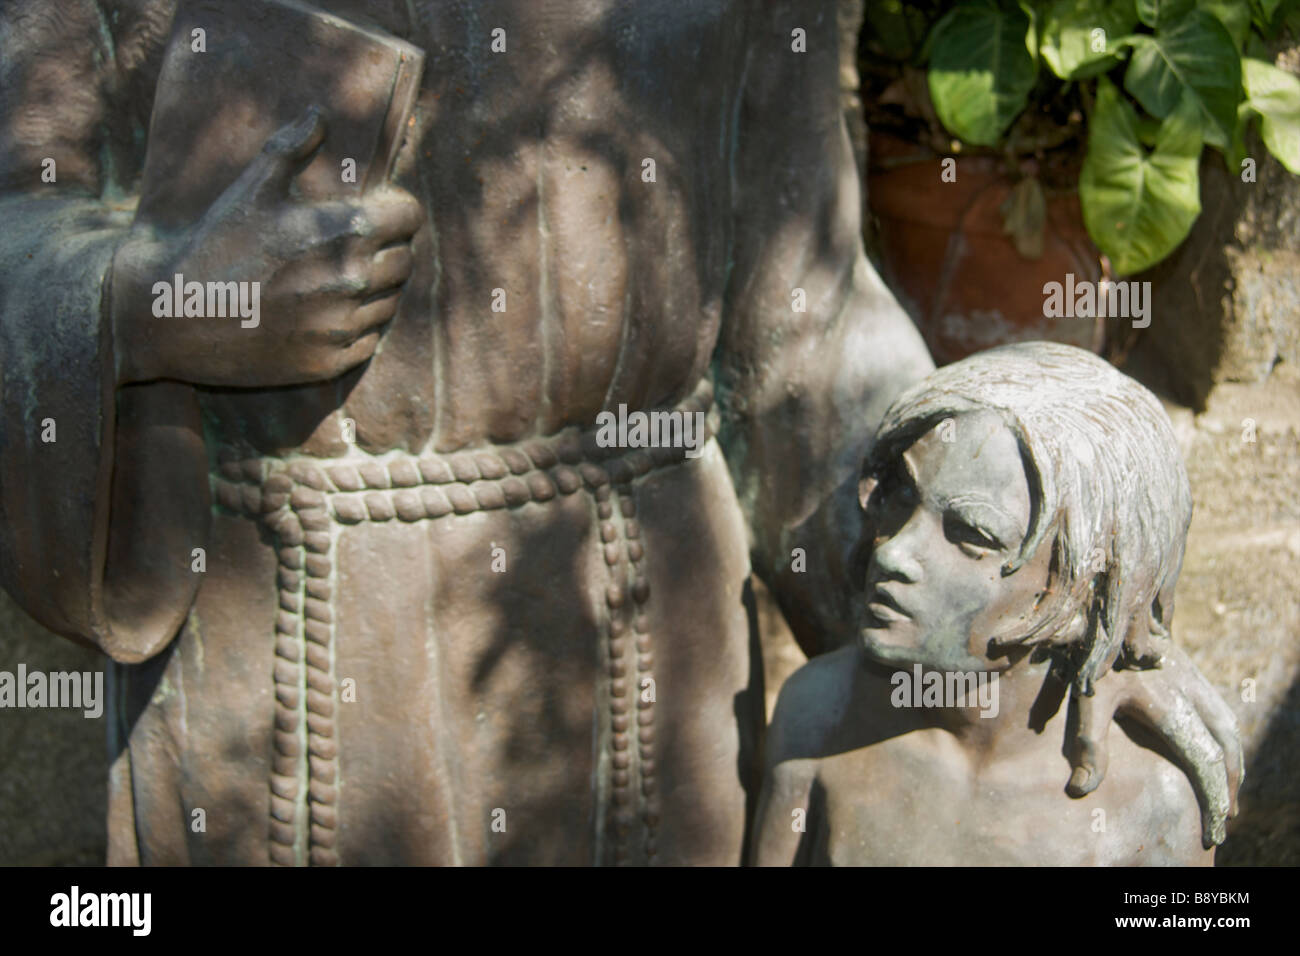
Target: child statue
1025,516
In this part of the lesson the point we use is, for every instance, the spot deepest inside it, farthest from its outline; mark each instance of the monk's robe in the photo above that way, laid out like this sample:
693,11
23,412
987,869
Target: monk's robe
472,633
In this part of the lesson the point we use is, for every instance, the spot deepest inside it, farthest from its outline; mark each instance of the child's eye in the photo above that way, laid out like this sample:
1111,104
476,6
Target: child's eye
971,539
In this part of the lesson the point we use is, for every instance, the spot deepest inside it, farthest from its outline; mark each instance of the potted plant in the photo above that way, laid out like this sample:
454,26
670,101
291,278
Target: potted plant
1013,142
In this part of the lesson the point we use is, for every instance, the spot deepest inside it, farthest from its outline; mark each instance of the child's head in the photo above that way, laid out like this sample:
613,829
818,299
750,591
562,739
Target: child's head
1060,471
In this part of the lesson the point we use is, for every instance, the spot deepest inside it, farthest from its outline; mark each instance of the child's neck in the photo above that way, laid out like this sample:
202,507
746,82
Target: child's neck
1026,699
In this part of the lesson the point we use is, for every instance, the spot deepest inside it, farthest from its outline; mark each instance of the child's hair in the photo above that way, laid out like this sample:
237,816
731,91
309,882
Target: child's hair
1107,487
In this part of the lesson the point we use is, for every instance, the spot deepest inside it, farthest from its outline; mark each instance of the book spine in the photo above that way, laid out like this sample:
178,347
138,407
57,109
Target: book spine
406,85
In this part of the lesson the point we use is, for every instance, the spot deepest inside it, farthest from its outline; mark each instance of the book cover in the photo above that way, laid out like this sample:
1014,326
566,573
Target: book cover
262,65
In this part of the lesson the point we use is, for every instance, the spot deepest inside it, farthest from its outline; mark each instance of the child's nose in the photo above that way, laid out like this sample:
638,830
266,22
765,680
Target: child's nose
895,555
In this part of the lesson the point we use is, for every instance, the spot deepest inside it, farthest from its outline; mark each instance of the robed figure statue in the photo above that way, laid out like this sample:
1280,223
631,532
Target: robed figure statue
372,591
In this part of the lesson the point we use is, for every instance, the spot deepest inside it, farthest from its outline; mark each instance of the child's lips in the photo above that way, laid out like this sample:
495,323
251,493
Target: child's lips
885,607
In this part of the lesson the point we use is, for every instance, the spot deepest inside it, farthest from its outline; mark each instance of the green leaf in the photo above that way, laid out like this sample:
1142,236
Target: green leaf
1195,55
1031,35
897,28
1070,43
980,70
1265,10
1275,95
1024,217
1155,12
1148,130
1236,151
1256,47
1139,206
1234,15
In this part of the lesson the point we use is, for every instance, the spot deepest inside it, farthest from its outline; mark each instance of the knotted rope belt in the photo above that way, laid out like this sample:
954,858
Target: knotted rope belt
305,502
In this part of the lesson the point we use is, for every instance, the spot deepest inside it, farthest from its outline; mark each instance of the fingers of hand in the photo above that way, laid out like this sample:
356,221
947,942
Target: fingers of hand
1181,726
389,268
1222,724
286,152
304,230
346,321
395,215
308,287
349,275
329,354
297,140
357,352
387,218
1087,748
370,316
1184,708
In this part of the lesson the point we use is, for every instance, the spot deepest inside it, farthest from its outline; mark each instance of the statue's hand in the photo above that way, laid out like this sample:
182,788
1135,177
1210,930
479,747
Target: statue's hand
1179,704
329,273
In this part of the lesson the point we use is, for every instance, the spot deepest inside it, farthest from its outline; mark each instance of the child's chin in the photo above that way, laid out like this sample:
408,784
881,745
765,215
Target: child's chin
887,643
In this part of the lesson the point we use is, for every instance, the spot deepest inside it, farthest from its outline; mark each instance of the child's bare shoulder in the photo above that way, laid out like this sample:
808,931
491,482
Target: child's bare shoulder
812,705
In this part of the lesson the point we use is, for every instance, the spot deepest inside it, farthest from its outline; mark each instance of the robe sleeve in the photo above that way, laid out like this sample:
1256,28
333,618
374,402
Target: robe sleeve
103,490
803,391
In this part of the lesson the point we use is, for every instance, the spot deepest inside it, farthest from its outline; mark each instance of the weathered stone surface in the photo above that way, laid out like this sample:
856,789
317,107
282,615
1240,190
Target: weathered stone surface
1238,611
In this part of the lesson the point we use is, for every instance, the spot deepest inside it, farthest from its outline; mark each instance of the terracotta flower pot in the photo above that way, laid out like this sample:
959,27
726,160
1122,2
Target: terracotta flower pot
958,272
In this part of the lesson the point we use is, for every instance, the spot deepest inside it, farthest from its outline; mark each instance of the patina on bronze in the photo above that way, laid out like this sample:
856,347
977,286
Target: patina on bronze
349,678
1026,512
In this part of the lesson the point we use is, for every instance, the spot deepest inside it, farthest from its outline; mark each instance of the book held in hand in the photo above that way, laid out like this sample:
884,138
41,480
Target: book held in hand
264,64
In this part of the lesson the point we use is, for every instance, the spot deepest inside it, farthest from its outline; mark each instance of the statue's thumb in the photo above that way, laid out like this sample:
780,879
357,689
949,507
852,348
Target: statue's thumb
288,151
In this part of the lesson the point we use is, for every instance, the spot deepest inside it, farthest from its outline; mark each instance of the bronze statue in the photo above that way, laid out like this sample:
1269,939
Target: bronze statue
374,590
1026,511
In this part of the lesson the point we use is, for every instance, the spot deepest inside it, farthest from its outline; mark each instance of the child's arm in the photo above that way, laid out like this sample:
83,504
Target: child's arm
782,821
806,712
1183,708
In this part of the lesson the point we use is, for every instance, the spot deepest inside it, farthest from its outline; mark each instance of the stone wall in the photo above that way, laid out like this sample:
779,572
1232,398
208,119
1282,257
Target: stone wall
1224,348
1238,599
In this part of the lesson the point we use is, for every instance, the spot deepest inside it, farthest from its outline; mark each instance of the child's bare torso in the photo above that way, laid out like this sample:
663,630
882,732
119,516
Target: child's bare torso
911,793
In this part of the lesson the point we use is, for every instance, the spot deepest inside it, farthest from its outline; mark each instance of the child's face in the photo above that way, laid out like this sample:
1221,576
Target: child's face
940,527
